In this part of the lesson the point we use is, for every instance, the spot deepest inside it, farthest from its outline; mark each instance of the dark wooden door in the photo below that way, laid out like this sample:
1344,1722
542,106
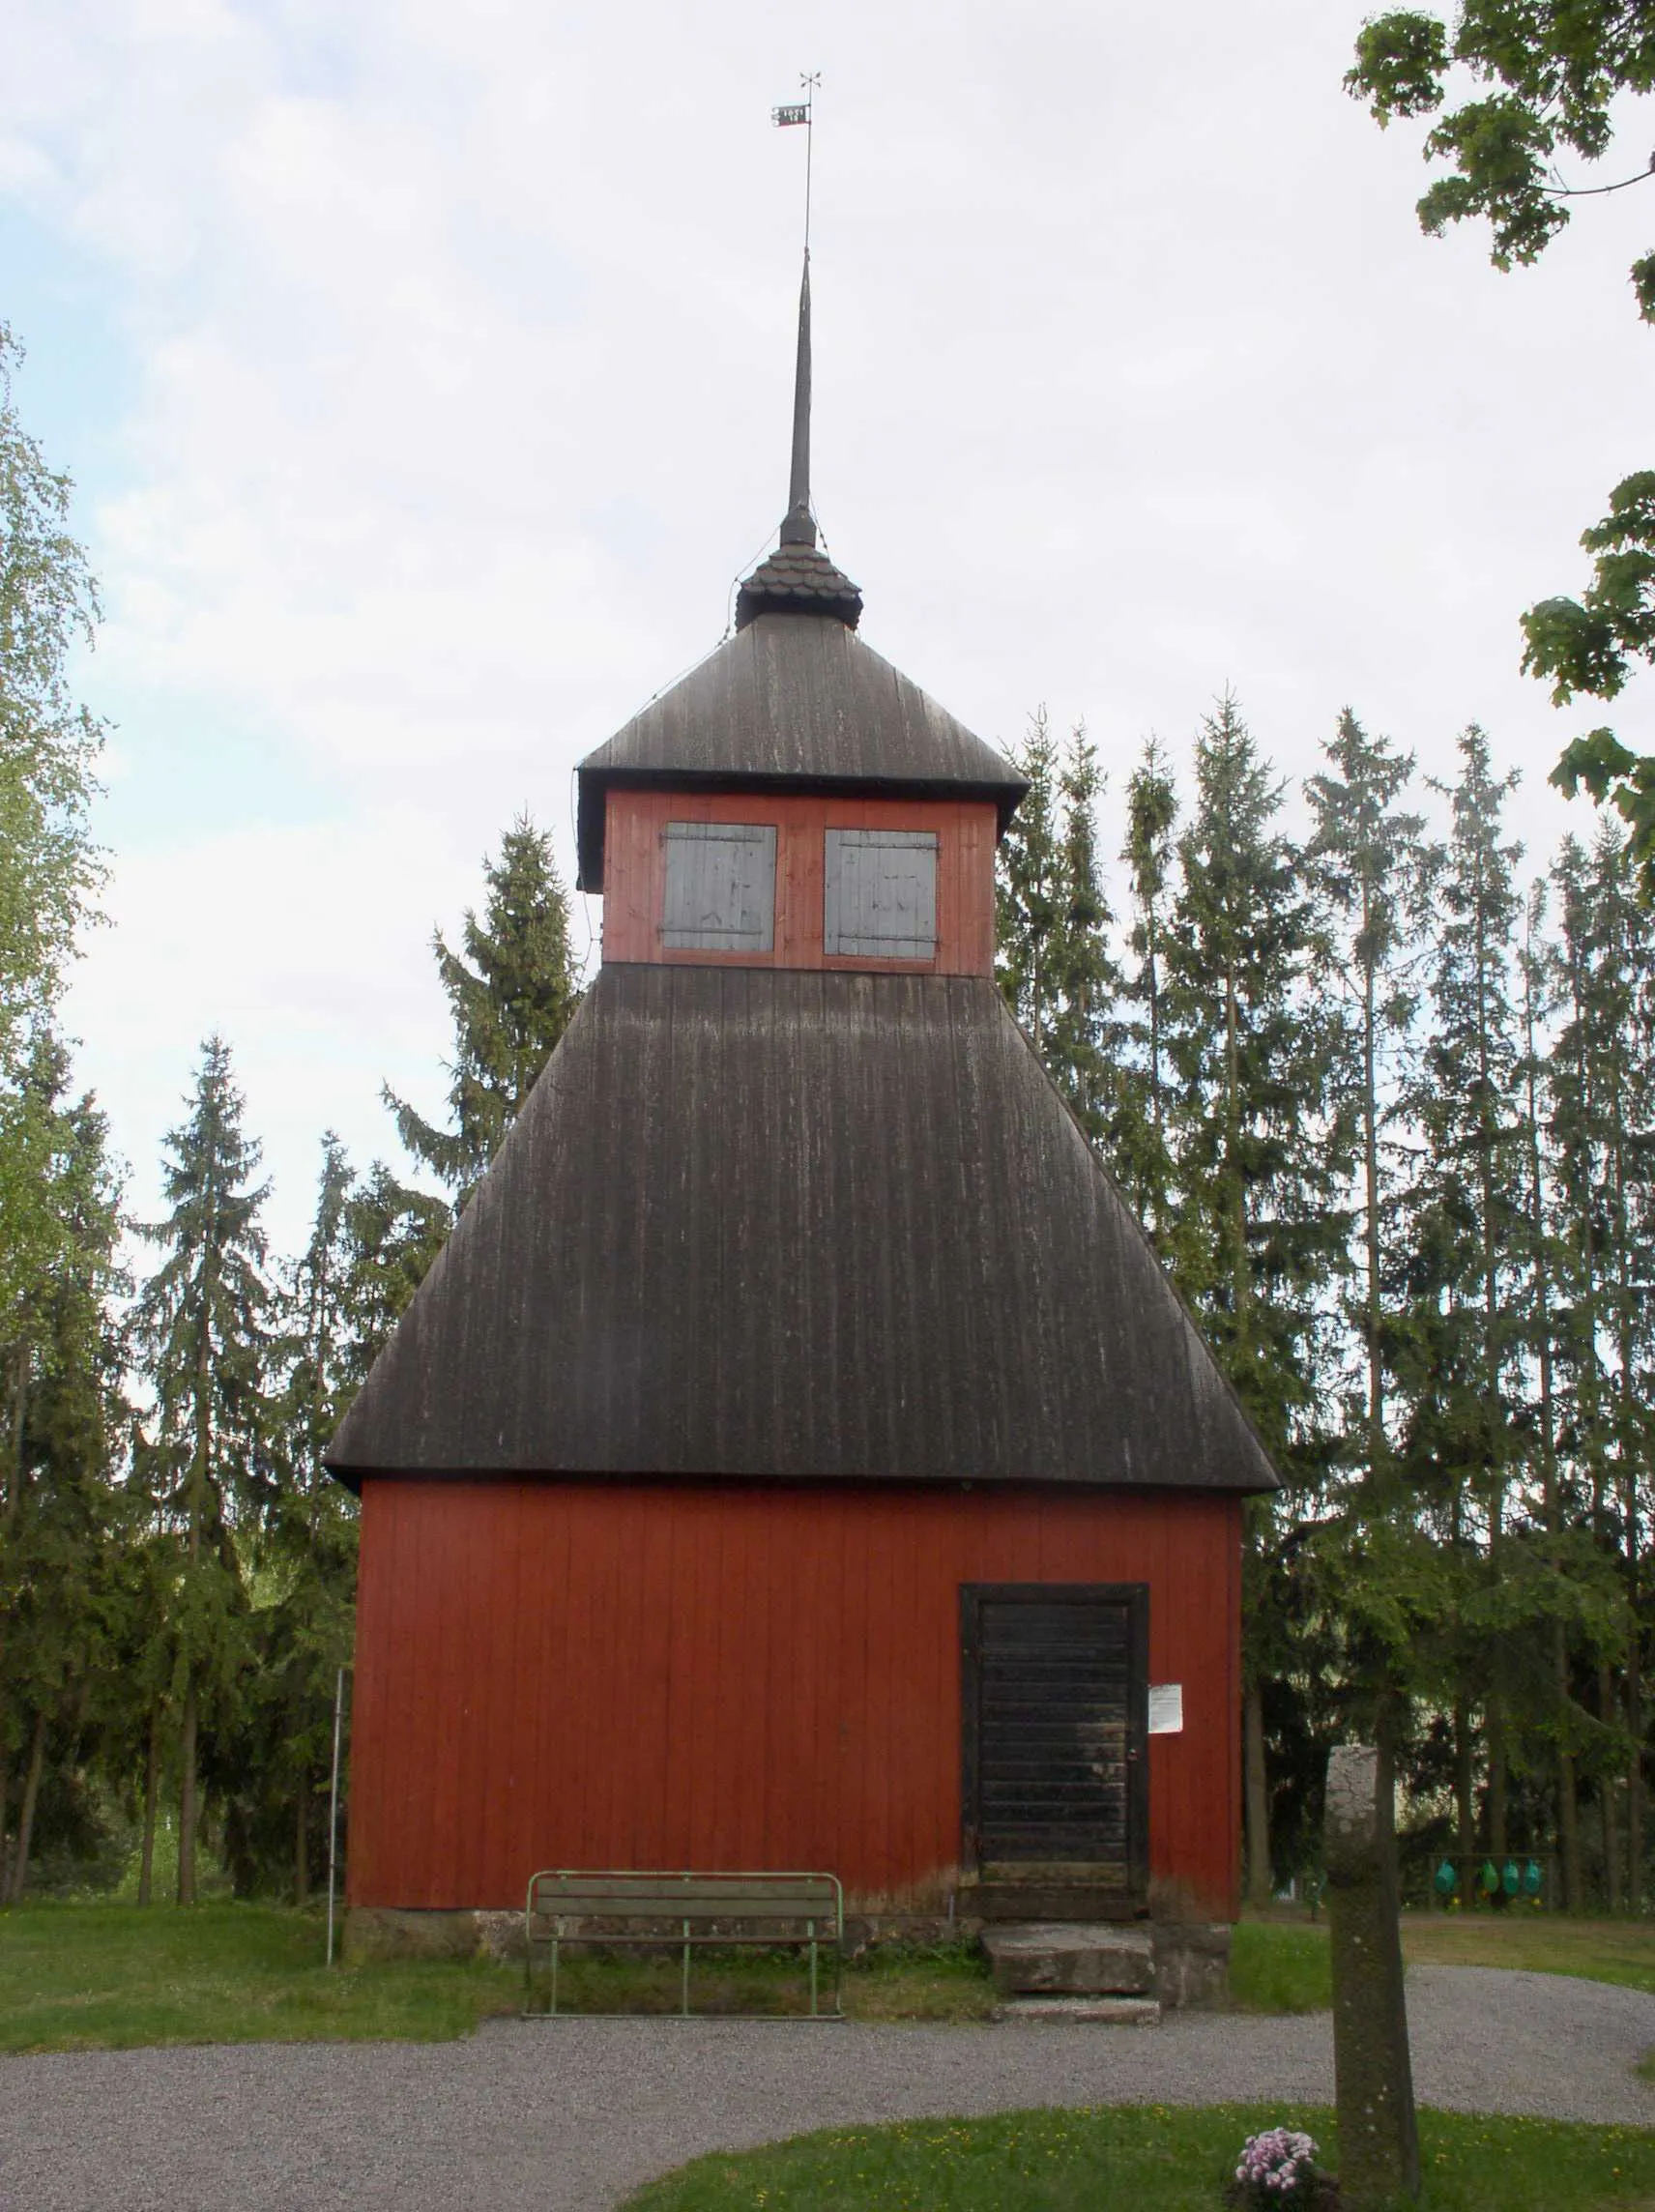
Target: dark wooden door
1056,1712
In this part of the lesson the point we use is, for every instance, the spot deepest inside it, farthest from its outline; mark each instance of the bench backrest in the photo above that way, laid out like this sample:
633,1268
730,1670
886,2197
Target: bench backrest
569,1893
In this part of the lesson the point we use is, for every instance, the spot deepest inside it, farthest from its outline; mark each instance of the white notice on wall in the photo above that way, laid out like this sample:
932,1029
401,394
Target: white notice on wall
1166,1709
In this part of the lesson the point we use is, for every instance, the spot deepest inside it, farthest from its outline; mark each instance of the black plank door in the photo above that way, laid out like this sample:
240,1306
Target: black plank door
1056,1712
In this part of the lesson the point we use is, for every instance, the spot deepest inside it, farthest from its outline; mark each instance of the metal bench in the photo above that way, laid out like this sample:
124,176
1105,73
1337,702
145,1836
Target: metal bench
683,1913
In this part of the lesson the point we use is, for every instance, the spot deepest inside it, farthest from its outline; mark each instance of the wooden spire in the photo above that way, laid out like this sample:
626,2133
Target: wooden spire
799,578
798,529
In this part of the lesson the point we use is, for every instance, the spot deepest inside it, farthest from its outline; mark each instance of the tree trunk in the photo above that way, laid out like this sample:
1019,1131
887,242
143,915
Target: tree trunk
1371,1195
1495,1728
1568,1804
302,1841
26,1810
186,1806
151,1800
1260,1882
1568,1821
14,1455
12,1509
1635,1764
1606,1797
1493,1708
1465,1805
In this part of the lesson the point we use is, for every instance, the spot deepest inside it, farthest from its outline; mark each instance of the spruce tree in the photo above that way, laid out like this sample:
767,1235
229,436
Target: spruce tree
1603,1078
1628,1118
61,1512
1084,1036
1545,1265
393,1233
1143,1149
1369,867
511,994
308,1545
1368,861
1028,888
1260,1235
1054,964
202,1330
1469,1207
1575,1073
1258,1153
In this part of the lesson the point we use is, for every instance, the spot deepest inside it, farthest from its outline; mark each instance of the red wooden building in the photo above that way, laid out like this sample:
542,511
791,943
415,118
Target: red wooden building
798,1457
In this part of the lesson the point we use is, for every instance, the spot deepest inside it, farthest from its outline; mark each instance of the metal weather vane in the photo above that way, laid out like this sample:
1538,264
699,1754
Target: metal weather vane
802,112
799,528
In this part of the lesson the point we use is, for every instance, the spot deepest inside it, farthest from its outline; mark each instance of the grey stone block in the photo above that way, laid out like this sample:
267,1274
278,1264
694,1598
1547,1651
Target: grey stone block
1091,1959
1192,1965
1105,2011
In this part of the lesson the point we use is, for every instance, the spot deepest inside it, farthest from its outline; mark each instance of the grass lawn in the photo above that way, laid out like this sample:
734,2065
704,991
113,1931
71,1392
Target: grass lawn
1279,1965
1282,1965
86,1977
83,1977
942,1982
78,1977
1620,1951
1147,2159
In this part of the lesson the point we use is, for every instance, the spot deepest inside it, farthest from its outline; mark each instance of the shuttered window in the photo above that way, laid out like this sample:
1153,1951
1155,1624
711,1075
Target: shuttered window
720,892
879,900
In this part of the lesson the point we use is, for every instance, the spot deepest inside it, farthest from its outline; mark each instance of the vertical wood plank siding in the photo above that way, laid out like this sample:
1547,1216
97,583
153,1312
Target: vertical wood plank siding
634,881
701,1676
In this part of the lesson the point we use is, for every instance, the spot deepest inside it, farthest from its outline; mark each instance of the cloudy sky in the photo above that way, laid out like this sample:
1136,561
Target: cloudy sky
424,373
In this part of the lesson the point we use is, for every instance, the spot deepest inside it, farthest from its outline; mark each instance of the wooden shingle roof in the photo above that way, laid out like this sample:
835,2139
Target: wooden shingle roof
785,1225
798,580
795,700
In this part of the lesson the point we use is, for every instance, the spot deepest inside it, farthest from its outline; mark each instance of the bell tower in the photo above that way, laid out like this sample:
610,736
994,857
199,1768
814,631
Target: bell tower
796,802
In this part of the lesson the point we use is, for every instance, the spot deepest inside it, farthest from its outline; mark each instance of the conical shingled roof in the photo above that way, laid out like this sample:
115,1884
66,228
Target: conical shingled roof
797,579
761,1224
795,701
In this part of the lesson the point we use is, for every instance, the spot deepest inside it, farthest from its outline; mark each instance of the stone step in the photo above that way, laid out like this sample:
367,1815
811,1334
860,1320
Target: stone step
1106,2012
1072,1959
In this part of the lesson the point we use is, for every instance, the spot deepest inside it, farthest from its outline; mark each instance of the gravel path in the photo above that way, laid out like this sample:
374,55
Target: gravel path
567,2117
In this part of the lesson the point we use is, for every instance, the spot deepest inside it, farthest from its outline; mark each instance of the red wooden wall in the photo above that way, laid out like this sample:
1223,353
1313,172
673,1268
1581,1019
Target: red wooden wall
634,878
722,1676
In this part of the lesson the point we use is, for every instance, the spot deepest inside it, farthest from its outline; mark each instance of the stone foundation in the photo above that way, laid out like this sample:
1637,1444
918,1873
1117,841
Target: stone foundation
1184,1965
383,1931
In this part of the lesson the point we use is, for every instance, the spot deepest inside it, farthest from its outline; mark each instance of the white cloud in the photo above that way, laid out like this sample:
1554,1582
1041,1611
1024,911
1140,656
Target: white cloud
462,365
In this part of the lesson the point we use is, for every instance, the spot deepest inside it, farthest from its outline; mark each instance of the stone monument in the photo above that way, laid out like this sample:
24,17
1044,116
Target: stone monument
1378,2143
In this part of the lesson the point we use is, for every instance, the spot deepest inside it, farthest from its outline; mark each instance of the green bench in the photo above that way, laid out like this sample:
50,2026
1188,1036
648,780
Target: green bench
683,1913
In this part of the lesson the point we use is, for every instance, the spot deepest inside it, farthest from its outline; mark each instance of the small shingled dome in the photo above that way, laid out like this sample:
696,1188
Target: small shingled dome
799,580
